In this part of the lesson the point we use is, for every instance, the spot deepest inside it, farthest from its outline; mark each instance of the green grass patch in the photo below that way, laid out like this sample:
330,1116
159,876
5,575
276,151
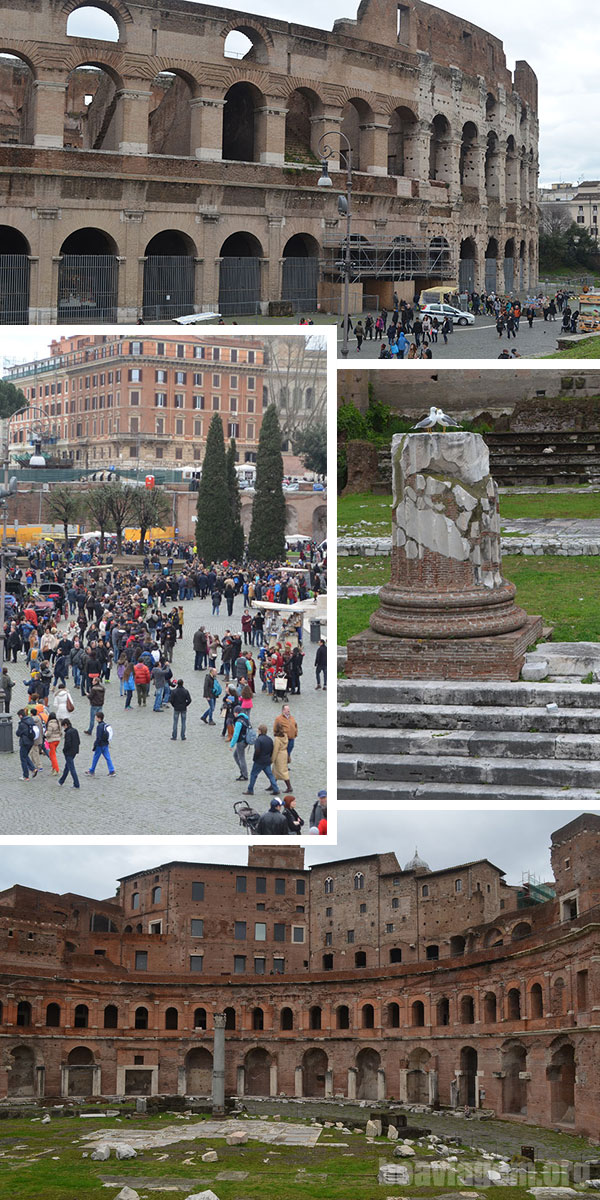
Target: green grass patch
371,516
564,591
589,348
363,513
372,572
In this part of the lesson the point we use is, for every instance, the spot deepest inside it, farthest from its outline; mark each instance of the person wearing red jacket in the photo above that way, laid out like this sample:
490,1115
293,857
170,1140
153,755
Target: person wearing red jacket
141,675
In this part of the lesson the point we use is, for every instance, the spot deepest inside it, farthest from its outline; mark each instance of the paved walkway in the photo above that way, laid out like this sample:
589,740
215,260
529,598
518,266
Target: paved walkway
273,1133
162,787
476,341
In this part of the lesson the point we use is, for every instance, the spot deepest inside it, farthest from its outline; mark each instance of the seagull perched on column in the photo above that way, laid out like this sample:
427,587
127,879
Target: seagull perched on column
437,417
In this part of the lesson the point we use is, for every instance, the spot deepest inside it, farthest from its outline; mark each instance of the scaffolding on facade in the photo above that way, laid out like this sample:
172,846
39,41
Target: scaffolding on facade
396,258
533,891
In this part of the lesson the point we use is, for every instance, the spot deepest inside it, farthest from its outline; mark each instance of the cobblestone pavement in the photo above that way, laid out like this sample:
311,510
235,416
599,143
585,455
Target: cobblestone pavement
162,787
278,1133
477,341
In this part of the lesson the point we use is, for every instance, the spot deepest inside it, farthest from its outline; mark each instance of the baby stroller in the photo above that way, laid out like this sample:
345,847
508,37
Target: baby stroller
280,687
248,817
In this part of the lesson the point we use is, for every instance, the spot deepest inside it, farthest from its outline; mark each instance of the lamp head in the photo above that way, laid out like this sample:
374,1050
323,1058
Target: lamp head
325,180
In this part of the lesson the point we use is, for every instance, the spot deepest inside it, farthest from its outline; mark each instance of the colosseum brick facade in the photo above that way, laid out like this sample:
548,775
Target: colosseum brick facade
156,173
357,979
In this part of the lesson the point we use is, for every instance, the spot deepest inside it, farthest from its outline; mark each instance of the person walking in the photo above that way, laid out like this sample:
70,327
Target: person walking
287,724
101,746
238,743
161,687
96,696
180,700
321,665
263,751
211,692
63,703
70,750
279,757
26,737
445,329
53,736
359,334
141,675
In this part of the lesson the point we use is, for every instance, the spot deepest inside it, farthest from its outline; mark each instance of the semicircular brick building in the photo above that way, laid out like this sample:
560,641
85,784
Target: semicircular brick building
168,169
360,978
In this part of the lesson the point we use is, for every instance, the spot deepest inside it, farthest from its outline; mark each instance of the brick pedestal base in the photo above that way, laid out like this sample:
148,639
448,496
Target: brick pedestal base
375,656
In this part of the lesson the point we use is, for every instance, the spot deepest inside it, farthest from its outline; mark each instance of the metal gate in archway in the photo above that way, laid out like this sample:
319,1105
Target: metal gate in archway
14,289
491,274
522,274
299,280
466,275
168,286
509,274
239,286
87,289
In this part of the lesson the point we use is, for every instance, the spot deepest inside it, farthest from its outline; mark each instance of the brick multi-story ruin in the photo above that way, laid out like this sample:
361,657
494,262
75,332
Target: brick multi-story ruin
162,171
358,979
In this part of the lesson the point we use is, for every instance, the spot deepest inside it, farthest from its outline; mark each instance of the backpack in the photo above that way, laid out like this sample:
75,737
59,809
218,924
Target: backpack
217,689
251,735
109,732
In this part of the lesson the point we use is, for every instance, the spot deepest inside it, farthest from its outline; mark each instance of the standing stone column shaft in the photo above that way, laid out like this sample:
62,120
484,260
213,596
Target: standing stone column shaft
218,1080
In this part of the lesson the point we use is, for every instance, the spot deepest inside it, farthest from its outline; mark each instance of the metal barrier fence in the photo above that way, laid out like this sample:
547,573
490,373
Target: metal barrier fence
168,287
239,287
300,277
14,289
87,289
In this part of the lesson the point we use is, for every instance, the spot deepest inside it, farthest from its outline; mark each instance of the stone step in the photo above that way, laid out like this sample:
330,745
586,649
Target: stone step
377,743
486,718
358,791
456,771
447,692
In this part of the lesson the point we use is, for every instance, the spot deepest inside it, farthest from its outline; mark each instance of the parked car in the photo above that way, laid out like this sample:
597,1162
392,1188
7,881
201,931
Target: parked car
457,316
318,487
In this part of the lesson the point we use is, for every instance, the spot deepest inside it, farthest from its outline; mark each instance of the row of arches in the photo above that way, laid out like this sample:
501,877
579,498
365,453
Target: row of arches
88,276
515,270
257,1076
175,114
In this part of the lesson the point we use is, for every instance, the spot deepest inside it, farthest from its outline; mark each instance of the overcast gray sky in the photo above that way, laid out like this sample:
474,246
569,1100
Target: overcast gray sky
560,41
514,841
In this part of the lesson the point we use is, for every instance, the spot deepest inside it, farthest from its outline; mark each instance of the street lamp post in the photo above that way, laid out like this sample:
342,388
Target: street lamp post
344,209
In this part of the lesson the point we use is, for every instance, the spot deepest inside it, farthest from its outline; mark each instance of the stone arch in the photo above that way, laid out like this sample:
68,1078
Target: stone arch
491,265
467,267
87,278
92,101
230,1018
457,945
469,156
355,114
258,1018
200,1018
80,1062
81,1016
319,522
257,1068
170,113
314,1069
240,274
368,1063
21,1074
291,519
493,937
255,32
417,1083
111,30
440,150
17,76
467,1010
560,1074
512,171
198,1072
468,1068
141,1017
300,272
404,127
558,997
301,130
513,1058
14,276
491,107
242,124
169,276
492,166
522,929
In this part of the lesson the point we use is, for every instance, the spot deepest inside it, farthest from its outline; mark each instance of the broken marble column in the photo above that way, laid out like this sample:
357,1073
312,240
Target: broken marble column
447,611
218,1075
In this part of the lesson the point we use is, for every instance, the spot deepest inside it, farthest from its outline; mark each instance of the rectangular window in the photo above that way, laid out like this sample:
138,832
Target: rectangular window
261,885
197,927
158,450
215,403
197,433
389,928
136,347
141,960
239,964
160,399
233,356
155,927
260,931
250,404
180,350
160,429
350,936
179,428
199,352
134,397
197,891
298,933
280,887
363,908
300,887
160,376
198,402
216,353
181,377
216,381
198,379
134,375
251,383
233,382
328,912
239,931
179,453
233,403
279,966
279,932
240,883
328,939
251,356
196,961
458,885
160,348
259,966
233,429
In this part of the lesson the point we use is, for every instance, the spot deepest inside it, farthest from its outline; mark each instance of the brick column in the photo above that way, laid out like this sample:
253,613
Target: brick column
208,278
270,134
326,122
132,118
49,110
206,134
274,263
374,147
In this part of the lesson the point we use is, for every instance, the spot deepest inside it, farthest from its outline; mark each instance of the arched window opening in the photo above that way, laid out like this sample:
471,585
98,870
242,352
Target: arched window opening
81,1016
169,276
14,277
537,1002
418,1013
230,1018
111,1016
16,114
356,113
171,1018
432,953
314,1017
53,1016
258,1018
514,1005
457,946
87,279
245,42
242,123
93,21
300,274
443,1011
92,108
170,116
368,1016
401,143
141,1018
342,1017
286,1019
360,958
301,131
467,1010
489,1008
467,265
469,156
200,1018
440,150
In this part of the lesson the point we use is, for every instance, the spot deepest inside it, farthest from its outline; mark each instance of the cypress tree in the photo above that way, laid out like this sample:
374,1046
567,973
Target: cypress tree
235,503
213,526
267,532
